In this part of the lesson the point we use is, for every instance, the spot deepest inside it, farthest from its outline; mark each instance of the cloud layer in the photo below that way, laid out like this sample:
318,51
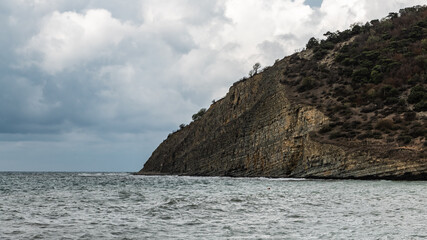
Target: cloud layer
91,75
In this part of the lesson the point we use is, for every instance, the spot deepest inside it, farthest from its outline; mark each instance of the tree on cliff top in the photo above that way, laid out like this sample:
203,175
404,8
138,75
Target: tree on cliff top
254,70
199,114
313,42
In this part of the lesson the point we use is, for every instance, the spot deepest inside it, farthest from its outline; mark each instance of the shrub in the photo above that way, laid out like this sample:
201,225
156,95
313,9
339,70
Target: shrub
409,116
327,45
417,132
313,42
319,54
405,139
361,74
348,62
421,61
397,119
391,100
356,29
377,74
389,91
417,94
421,106
402,102
306,84
416,32
373,39
199,114
371,55
366,63
384,124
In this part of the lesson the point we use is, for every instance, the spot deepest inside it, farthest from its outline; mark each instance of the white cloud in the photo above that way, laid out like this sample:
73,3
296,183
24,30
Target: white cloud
179,57
67,40
339,15
254,22
99,66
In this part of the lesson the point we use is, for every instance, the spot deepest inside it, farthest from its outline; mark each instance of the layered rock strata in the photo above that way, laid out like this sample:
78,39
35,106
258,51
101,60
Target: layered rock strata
257,130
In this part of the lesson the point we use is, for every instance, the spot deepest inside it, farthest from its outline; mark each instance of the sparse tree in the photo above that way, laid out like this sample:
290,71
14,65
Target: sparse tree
313,42
393,15
254,70
256,67
199,115
251,73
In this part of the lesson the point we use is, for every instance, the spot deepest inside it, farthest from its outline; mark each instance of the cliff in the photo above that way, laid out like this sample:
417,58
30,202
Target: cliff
316,114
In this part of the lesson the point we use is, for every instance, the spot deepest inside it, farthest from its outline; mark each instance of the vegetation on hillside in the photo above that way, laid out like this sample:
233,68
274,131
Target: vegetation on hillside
370,80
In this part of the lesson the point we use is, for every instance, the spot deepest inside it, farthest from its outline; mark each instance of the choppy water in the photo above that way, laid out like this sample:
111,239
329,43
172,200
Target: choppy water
122,206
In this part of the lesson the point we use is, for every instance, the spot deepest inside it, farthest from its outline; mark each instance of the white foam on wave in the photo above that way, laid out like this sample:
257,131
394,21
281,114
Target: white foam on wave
99,174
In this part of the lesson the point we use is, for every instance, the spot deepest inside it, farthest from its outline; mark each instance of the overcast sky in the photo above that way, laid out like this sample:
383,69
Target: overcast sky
96,85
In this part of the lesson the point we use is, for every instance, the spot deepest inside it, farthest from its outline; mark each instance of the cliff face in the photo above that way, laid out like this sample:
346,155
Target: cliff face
272,123
256,130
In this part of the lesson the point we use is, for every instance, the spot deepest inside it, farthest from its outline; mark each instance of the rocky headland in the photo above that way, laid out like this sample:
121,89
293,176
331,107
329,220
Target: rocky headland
352,106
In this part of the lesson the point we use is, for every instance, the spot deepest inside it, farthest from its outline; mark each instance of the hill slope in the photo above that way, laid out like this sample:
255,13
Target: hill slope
350,106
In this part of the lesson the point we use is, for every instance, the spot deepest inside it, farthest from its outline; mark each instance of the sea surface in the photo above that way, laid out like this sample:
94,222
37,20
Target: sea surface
123,206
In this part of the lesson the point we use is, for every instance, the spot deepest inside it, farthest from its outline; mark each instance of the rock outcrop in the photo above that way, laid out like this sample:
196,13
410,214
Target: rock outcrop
256,130
266,126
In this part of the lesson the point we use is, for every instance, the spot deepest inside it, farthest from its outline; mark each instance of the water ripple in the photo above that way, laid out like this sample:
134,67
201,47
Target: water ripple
122,206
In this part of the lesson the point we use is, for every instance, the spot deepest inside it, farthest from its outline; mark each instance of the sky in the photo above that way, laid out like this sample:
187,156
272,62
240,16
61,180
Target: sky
97,85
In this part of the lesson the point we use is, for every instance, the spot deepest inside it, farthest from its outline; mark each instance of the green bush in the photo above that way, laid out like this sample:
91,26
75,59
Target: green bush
421,61
341,57
416,32
421,106
418,93
377,74
348,62
361,74
327,45
388,91
391,100
356,29
366,63
371,55
320,54
306,84
313,42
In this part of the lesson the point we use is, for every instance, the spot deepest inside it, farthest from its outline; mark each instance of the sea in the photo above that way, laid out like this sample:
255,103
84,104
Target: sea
124,206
